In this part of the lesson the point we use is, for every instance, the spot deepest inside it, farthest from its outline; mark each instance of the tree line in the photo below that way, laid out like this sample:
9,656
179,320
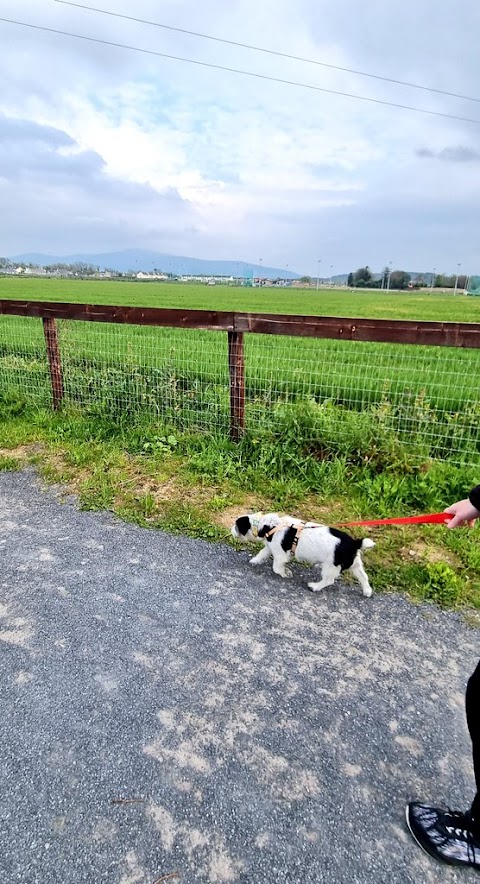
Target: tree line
400,279
78,268
364,278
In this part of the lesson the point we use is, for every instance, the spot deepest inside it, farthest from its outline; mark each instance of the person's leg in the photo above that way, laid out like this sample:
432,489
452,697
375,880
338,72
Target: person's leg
449,835
472,707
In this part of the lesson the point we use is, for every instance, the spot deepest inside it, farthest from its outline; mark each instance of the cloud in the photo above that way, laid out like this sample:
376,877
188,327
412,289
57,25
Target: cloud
28,150
17,131
46,176
459,154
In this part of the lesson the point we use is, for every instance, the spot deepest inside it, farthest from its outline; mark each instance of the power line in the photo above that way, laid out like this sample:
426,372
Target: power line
314,61
219,67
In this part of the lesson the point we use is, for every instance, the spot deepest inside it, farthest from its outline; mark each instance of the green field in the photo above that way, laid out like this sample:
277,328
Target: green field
428,397
326,302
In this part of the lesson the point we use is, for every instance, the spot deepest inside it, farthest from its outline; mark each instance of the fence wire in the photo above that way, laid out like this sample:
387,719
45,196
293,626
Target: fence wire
324,393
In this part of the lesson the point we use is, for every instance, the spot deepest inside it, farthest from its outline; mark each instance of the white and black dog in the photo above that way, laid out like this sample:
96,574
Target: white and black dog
285,536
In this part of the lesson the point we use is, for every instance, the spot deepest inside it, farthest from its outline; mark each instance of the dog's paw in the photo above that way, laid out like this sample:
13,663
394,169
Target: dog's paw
255,561
368,592
314,587
287,573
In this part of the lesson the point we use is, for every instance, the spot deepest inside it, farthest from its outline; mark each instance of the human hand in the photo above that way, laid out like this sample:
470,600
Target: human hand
463,513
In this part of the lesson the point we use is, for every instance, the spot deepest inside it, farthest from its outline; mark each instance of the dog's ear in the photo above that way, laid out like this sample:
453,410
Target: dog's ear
243,525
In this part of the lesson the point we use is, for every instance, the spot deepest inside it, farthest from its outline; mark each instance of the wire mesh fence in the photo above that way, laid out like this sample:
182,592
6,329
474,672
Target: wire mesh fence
428,397
23,363
326,392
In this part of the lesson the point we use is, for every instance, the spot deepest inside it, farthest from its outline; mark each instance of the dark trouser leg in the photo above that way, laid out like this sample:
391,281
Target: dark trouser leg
472,705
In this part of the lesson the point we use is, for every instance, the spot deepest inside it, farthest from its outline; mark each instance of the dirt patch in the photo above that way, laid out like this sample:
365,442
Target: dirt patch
427,552
162,490
23,452
141,486
314,511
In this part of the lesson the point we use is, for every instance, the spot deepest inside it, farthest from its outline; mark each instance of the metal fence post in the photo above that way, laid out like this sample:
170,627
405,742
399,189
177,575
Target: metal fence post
54,361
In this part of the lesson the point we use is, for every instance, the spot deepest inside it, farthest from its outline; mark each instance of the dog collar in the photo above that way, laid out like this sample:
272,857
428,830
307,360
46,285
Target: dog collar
255,520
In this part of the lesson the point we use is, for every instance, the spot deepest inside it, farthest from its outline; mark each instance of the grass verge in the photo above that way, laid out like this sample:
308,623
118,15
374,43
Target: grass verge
196,484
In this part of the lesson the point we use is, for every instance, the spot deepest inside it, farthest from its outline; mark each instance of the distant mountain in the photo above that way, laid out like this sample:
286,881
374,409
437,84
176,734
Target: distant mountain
141,259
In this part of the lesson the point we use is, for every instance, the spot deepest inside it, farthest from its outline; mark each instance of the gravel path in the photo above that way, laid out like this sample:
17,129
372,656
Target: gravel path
268,734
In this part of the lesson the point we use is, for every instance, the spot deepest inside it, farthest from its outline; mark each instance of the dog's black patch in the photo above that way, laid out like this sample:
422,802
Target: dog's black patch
243,525
264,530
288,538
346,550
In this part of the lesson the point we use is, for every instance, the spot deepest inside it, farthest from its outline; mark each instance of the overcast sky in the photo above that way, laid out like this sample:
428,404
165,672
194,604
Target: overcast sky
103,149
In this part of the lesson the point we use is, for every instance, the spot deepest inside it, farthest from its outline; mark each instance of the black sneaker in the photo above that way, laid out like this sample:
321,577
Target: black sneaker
444,834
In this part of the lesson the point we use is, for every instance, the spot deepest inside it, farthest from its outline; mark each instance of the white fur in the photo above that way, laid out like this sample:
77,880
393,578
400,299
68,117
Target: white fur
316,546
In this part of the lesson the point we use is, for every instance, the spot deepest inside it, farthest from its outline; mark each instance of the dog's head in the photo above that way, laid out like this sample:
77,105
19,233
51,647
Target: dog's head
245,528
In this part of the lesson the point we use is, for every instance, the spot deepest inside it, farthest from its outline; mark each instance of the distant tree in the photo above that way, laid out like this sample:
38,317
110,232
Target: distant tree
362,277
443,281
399,279
306,279
350,280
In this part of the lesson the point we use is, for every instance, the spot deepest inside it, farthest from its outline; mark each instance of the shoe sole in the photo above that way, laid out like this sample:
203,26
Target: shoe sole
449,862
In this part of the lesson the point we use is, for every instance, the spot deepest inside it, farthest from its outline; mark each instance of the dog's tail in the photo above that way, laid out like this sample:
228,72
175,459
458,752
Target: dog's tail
367,543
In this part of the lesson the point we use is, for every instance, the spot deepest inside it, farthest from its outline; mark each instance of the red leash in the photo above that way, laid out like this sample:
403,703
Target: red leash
432,518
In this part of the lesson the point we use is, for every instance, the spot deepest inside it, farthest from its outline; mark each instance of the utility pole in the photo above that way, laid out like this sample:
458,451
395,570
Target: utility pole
389,275
456,278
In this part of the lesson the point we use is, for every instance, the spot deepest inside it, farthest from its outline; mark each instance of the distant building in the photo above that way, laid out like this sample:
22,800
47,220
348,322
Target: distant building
151,276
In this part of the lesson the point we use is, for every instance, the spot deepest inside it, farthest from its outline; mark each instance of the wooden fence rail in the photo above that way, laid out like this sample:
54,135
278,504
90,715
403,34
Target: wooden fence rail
442,334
